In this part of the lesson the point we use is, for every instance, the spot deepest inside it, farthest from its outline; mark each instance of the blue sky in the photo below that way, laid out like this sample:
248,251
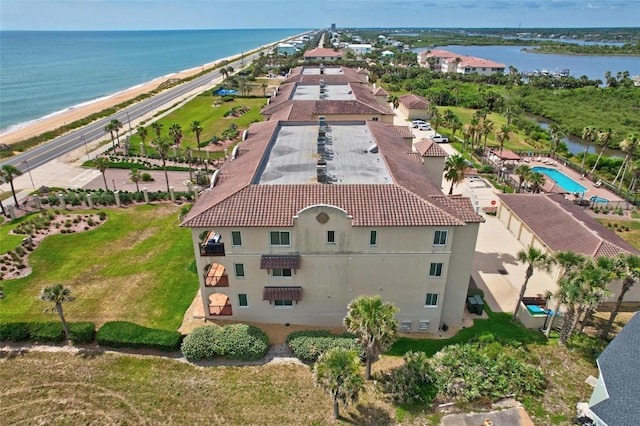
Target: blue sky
219,14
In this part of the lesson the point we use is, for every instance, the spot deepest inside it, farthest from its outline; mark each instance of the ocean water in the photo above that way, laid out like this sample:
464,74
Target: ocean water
43,72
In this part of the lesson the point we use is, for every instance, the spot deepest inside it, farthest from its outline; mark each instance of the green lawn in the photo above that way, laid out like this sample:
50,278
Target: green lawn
131,268
631,236
203,109
498,324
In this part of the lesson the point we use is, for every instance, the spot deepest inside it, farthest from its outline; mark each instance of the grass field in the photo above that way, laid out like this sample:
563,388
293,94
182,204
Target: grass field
131,268
203,108
631,236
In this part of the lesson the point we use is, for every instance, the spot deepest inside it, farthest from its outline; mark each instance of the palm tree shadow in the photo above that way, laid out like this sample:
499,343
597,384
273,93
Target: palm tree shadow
368,414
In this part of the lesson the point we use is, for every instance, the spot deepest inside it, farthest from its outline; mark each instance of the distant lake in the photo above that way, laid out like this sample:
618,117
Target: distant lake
593,67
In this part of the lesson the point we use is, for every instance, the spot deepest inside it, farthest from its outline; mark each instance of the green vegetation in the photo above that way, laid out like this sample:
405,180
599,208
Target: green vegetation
338,373
233,341
577,49
308,345
628,230
131,268
122,334
47,332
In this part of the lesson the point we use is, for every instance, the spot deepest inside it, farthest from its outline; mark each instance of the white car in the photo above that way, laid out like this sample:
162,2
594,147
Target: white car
417,123
438,138
424,126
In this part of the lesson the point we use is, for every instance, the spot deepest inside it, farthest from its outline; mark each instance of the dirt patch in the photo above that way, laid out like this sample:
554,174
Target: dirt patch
14,264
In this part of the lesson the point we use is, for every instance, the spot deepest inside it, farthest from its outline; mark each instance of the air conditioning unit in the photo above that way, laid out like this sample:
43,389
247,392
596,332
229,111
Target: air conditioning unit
405,325
424,325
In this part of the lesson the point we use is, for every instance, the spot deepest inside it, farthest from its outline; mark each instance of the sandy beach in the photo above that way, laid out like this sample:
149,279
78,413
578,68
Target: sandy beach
52,122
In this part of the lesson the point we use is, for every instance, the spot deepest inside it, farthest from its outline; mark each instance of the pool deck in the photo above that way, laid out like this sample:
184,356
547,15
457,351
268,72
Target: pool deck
592,189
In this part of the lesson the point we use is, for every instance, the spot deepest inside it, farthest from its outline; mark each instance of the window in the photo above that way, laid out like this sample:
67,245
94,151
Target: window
280,238
424,325
431,300
283,303
405,325
243,301
373,238
239,269
435,270
281,272
440,238
331,237
236,238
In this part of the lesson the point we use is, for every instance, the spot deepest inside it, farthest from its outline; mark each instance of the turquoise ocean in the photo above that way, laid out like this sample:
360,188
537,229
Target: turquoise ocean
44,72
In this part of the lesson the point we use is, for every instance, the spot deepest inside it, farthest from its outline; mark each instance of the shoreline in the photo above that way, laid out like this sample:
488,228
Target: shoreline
25,130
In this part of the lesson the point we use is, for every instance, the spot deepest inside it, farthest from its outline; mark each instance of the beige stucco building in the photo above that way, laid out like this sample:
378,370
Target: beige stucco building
309,215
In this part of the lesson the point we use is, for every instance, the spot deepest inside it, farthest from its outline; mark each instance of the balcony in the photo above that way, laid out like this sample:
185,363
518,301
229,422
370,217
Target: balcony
216,276
211,244
219,305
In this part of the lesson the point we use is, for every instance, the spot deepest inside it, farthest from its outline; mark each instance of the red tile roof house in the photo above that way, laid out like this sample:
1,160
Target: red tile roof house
413,107
553,223
309,215
322,54
471,65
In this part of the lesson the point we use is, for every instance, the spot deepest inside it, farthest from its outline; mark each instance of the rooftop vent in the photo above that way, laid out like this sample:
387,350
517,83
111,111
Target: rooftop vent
373,149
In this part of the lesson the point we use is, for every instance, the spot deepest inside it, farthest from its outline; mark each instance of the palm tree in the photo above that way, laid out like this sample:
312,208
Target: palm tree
502,135
2,181
143,133
467,133
522,171
486,129
58,294
588,135
337,371
157,128
116,125
535,259
537,181
627,268
557,133
162,146
455,125
135,176
509,113
604,136
224,73
197,129
372,320
435,117
10,172
454,168
109,129
102,164
630,146
571,263
175,131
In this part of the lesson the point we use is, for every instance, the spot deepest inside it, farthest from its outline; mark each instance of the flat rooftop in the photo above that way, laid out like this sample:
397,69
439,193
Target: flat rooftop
316,70
331,92
292,157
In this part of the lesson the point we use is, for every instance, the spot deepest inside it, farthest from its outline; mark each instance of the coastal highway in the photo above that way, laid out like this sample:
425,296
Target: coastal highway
75,139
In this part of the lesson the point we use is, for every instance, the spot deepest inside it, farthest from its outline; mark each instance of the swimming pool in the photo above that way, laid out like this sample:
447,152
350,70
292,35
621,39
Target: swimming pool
561,179
599,200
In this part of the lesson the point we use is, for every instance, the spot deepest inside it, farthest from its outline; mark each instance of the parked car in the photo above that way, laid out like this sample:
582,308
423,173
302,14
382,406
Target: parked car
424,126
416,123
438,138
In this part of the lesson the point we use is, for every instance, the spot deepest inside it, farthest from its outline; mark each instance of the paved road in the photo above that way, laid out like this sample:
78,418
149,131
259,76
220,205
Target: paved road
75,139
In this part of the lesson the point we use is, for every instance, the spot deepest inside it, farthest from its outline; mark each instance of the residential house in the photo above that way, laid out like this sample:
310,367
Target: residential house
413,107
309,215
472,65
552,223
322,54
614,400
285,49
360,49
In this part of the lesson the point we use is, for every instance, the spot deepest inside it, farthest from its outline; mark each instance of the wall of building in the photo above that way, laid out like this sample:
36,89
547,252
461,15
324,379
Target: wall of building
331,275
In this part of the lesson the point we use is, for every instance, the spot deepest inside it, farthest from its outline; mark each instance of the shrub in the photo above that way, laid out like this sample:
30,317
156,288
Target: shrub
241,341
122,334
199,344
308,345
146,177
14,331
46,332
410,383
82,332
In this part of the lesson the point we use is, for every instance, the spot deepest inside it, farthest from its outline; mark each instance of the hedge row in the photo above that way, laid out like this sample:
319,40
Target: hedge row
47,332
308,345
122,334
235,341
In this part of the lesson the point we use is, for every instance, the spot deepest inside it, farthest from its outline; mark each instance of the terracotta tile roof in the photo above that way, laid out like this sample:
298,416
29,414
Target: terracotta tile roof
280,261
404,131
322,52
473,62
347,75
282,293
379,91
505,154
437,53
563,226
412,101
428,148
413,199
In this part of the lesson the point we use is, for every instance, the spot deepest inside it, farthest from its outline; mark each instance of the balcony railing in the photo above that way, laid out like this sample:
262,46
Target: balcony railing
219,305
212,245
216,276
